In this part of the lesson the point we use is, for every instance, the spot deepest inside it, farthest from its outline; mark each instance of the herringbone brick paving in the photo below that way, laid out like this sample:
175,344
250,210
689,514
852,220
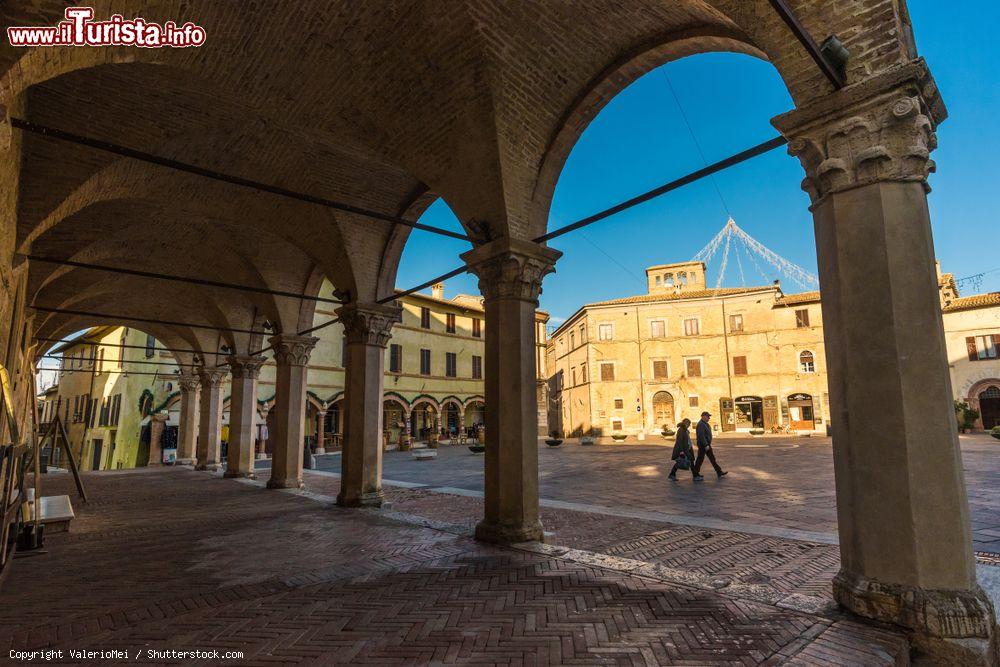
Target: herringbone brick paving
177,559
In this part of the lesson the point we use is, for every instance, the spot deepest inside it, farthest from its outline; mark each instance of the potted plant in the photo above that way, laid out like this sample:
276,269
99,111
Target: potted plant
618,437
666,431
477,447
587,439
995,432
966,416
553,440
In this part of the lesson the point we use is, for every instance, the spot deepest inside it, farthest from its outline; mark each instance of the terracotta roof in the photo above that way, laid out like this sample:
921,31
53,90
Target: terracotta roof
801,297
683,295
990,299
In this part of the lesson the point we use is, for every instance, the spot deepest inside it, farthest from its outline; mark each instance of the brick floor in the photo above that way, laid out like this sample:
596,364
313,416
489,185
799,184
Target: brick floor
179,560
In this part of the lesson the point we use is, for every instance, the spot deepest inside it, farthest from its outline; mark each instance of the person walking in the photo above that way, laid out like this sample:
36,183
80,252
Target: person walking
704,433
683,454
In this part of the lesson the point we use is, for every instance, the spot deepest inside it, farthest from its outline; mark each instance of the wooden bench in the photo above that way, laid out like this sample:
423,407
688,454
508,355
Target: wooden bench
56,512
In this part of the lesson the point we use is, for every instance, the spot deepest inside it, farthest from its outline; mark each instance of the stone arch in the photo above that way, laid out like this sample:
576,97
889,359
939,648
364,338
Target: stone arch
984,397
664,409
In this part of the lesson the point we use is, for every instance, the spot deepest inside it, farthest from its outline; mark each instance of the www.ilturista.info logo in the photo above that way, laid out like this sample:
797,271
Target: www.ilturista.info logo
79,29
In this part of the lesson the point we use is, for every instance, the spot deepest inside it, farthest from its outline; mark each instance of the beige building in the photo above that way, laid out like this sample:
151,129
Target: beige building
752,356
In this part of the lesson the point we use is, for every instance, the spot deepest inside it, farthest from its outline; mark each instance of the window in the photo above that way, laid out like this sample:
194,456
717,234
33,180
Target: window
116,406
100,360
583,334
735,323
93,411
449,325
668,279
619,403
692,401
807,364
661,369
450,364
425,318
395,358
616,424
802,318
739,365
477,368
583,372
657,328
150,346
572,340
605,331
425,362
682,278
692,327
477,327
572,372
657,281
693,367
982,348
607,372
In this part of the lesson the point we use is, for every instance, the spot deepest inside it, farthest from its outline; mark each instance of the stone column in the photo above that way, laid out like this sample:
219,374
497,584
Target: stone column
367,329
291,353
245,370
510,278
210,429
905,538
405,433
320,432
187,436
157,424
461,422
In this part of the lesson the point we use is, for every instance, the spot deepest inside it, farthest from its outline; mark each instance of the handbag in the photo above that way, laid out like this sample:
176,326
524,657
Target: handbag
683,462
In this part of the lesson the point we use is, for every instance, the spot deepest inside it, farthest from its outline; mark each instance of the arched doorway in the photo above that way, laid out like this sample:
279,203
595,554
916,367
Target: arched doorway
423,421
451,416
475,416
800,412
663,409
989,406
393,419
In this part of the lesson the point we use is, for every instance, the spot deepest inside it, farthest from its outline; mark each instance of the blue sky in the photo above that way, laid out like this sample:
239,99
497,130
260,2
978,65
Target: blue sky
640,140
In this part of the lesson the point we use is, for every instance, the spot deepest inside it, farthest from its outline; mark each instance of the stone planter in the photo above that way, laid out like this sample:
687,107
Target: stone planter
618,437
553,442
477,449
424,454
756,432
666,433
587,440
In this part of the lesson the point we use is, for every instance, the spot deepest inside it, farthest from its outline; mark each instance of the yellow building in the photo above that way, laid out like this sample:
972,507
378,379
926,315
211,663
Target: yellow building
752,356
111,381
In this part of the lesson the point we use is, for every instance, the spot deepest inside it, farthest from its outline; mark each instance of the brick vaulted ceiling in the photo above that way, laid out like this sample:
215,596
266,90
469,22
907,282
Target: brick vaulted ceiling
383,105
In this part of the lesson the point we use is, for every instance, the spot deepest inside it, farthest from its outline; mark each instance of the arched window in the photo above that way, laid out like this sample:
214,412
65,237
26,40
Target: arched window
682,278
668,279
657,281
807,363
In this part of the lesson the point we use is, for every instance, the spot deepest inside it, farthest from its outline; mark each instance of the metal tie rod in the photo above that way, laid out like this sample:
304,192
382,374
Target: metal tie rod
108,147
730,161
181,279
129,318
834,75
126,361
118,345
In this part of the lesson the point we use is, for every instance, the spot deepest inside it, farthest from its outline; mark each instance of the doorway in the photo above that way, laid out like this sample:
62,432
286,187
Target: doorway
749,412
98,445
801,413
989,407
663,410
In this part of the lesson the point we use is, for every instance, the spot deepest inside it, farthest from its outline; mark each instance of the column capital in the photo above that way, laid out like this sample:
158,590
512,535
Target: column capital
511,268
292,350
369,323
188,382
212,377
877,130
246,366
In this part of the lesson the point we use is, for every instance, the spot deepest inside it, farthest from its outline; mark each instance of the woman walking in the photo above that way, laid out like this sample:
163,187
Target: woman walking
683,454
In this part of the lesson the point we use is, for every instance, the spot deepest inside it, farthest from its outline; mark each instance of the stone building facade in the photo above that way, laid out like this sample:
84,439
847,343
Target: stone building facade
752,356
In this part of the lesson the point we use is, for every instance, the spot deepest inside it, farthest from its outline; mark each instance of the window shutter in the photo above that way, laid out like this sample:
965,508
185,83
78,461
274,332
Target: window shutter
739,365
607,372
970,343
660,370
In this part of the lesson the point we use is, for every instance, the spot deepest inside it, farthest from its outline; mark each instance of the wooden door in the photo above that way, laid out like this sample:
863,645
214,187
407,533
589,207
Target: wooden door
726,414
770,412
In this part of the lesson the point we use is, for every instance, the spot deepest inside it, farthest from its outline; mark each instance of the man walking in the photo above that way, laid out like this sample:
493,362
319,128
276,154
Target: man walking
704,431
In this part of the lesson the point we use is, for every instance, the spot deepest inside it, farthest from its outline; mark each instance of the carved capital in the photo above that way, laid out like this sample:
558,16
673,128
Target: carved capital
244,366
211,378
188,383
510,268
292,350
880,129
369,323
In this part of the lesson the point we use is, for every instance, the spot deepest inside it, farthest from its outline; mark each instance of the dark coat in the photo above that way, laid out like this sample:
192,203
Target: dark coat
682,444
704,434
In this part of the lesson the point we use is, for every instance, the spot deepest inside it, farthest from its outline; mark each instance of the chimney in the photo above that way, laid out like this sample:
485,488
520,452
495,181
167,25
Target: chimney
437,291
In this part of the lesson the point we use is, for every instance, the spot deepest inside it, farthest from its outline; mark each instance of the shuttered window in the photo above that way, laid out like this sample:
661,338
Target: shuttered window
607,372
982,348
657,328
661,369
583,372
802,318
450,364
477,327
425,362
395,358
739,365
735,323
477,368
425,318
619,403
450,322
692,327
693,367
606,331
